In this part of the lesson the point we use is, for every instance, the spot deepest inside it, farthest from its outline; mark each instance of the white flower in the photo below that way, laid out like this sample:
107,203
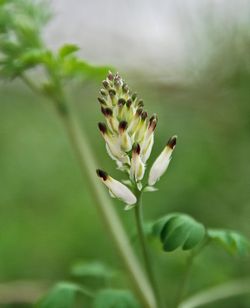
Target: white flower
137,168
162,162
116,188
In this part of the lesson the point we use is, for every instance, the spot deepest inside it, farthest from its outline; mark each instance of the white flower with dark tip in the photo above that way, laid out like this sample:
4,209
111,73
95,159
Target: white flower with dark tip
129,136
162,162
116,188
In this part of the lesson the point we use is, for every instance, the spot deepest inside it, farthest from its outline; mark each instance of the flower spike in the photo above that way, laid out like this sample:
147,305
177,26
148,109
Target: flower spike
128,132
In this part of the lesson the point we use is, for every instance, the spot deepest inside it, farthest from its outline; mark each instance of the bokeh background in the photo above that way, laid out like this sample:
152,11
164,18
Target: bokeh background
189,61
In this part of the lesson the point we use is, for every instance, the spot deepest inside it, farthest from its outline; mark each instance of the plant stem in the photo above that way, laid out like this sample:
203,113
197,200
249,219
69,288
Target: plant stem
229,289
183,284
143,244
82,149
189,263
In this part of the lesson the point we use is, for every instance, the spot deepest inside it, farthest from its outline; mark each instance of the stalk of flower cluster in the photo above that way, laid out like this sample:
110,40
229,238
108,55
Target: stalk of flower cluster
129,138
144,247
85,156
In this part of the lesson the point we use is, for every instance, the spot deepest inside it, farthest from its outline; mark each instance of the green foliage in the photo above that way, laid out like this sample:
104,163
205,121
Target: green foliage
21,23
178,230
110,298
92,269
232,241
22,47
67,50
63,295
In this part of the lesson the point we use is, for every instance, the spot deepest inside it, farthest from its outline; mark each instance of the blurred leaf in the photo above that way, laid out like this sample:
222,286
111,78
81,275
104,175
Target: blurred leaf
67,50
232,241
110,298
33,57
92,269
74,67
178,230
62,295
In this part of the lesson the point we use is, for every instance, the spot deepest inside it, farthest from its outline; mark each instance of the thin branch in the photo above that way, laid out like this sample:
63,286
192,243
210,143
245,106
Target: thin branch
22,291
143,244
230,289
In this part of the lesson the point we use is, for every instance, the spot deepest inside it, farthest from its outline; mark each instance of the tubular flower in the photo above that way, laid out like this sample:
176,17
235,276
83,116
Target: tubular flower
116,188
162,162
128,133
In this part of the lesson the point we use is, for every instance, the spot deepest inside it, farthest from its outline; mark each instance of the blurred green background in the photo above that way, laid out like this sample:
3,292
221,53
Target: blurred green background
48,220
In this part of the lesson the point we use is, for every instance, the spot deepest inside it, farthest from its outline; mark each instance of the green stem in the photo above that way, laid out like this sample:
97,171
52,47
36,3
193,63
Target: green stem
227,290
189,263
82,149
143,244
184,281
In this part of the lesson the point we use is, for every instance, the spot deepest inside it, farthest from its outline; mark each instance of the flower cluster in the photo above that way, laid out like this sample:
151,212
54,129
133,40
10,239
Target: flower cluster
129,136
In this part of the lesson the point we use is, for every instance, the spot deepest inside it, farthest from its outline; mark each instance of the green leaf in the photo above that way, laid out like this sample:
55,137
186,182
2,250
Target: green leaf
73,67
178,231
62,295
67,50
33,57
232,241
92,269
110,298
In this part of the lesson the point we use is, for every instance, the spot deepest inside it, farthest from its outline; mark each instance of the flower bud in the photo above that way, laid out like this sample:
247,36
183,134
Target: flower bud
110,76
141,128
162,162
137,168
105,84
117,189
102,101
125,139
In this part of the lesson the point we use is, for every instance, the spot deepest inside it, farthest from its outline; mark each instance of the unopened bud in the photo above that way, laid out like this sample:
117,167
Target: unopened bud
107,112
101,101
137,167
139,111
140,103
121,102
144,115
125,88
136,148
134,96
112,93
123,126
129,103
102,127
105,84
102,174
153,122
172,142
110,76
103,92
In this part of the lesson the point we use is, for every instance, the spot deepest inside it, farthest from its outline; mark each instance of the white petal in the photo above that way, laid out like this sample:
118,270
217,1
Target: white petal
137,168
121,191
160,166
147,149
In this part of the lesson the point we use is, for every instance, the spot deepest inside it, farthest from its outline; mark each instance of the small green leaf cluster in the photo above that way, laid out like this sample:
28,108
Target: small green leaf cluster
21,47
67,294
179,230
